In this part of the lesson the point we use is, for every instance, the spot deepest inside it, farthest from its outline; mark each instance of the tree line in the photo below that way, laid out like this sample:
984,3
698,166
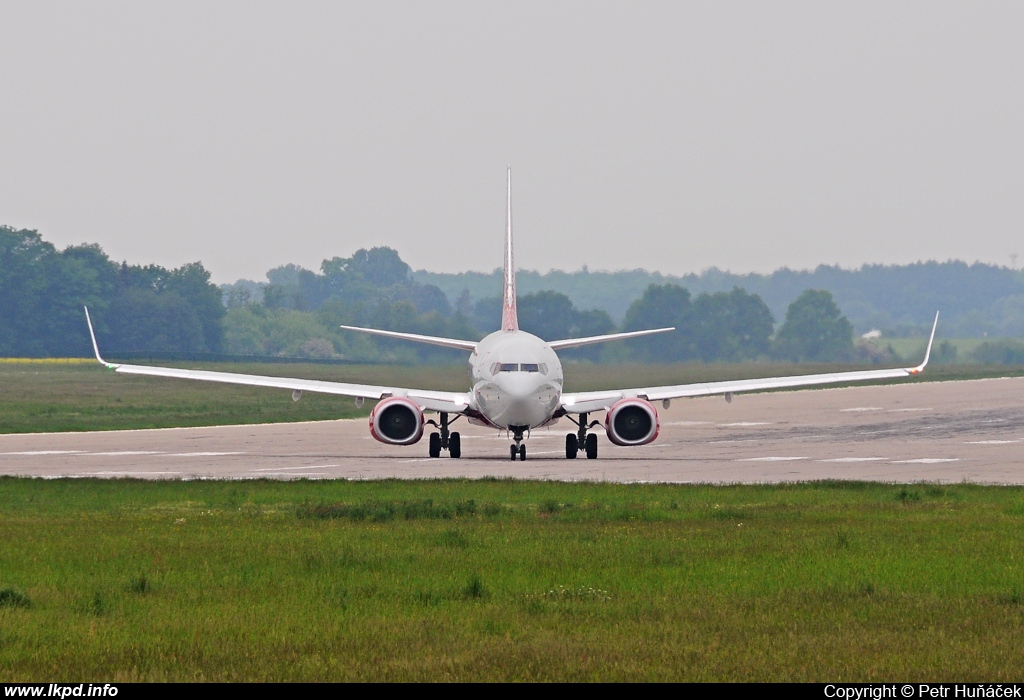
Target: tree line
297,313
375,288
134,307
900,300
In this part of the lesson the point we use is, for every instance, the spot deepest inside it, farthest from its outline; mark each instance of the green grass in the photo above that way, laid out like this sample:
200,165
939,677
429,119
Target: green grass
498,580
49,397
52,397
913,348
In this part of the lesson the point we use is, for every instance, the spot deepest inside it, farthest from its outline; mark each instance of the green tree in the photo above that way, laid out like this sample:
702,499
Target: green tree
256,330
83,275
814,330
588,323
731,326
548,315
144,320
429,298
159,310
24,262
367,275
192,283
42,292
295,287
662,305
552,316
381,267
486,316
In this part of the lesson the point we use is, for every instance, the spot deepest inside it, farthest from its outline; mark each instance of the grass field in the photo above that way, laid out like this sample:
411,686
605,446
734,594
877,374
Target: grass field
485,580
498,580
58,396
913,348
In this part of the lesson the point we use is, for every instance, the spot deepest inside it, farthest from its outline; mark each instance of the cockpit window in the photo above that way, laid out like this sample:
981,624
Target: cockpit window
517,367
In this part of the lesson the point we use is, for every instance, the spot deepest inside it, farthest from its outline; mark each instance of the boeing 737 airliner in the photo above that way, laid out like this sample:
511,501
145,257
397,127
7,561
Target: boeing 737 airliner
517,386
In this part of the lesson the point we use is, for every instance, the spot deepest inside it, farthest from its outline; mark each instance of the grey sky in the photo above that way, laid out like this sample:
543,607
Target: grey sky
666,135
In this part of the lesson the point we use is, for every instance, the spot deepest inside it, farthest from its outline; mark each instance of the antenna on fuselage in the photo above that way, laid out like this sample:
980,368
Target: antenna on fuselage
509,315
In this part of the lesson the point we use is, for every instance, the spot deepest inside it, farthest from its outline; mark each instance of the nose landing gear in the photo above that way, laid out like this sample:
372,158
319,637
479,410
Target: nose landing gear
581,441
519,448
445,440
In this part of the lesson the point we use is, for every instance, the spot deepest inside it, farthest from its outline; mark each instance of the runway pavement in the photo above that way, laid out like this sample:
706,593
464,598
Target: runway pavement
938,431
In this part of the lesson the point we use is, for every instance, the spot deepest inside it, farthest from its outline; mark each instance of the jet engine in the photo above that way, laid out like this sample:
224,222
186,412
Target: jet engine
632,422
396,421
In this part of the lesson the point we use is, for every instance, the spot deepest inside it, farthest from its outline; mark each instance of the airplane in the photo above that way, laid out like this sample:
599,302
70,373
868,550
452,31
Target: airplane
517,386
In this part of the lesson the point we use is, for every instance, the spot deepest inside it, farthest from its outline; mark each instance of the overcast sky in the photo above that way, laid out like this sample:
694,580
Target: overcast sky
665,135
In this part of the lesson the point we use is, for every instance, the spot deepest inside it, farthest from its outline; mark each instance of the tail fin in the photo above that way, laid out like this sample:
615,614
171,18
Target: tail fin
509,316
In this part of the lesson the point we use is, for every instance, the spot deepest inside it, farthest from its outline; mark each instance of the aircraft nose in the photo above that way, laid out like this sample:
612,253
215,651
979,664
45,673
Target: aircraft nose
519,385
531,394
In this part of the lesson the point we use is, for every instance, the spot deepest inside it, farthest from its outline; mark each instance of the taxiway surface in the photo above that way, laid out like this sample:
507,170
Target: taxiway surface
933,431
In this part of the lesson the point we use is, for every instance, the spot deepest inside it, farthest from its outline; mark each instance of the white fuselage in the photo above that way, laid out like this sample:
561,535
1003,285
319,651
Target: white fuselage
517,380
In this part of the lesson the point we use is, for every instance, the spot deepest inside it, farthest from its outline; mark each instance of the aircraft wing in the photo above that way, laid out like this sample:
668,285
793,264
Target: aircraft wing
471,344
448,401
585,402
417,338
578,342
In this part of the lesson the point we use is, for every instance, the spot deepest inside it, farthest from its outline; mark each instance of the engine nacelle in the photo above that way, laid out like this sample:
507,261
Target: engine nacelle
396,421
632,422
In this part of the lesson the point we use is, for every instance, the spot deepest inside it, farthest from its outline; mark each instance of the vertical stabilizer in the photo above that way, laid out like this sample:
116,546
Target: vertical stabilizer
509,316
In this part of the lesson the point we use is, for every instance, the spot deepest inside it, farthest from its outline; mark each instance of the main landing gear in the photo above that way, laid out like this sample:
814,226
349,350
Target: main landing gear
519,448
445,440
581,441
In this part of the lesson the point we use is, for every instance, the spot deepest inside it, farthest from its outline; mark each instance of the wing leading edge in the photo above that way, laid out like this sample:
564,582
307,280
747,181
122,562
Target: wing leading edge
451,402
585,402
469,345
577,342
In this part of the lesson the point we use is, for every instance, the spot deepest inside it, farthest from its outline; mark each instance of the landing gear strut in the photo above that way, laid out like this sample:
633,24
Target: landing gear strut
519,448
581,441
445,440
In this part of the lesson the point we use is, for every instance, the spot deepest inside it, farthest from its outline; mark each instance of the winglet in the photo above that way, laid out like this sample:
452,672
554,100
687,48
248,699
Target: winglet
509,315
928,350
95,346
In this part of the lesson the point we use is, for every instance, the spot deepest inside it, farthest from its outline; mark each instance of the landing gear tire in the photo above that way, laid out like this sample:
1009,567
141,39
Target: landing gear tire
435,445
518,448
455,445
582,441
